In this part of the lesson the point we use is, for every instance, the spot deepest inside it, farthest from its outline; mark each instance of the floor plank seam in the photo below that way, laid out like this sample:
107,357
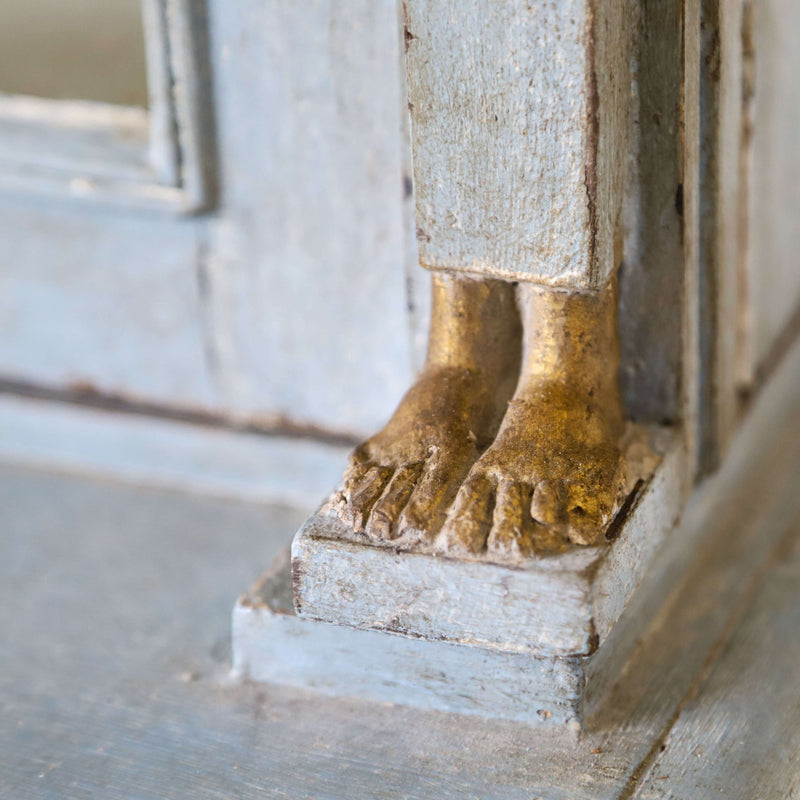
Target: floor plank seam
778,554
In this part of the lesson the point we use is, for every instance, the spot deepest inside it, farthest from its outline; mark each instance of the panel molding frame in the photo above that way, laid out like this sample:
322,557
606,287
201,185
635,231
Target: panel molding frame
157,159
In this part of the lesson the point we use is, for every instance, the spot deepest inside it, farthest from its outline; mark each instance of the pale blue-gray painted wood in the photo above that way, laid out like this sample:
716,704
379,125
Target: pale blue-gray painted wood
160,159
550,605
306,268
72,141
272,645
540,609
165,453
728,742
103,301
115,617
305,112
520,117
289,302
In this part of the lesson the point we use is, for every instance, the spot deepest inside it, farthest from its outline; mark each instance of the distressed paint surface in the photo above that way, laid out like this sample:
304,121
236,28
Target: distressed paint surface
554,605
632,555
519,128
653,285
115,681
718,246
324,229
546,612
272,645
723,731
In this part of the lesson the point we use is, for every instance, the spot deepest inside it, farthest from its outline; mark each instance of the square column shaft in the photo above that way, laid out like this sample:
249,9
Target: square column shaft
520,116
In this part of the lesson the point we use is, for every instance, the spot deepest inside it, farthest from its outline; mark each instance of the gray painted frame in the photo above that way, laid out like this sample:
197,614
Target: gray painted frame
158,159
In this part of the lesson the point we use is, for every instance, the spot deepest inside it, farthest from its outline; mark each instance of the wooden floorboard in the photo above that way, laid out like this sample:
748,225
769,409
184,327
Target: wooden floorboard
115,607
739,737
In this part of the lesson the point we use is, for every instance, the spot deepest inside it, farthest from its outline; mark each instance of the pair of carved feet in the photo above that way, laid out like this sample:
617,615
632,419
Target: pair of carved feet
550,473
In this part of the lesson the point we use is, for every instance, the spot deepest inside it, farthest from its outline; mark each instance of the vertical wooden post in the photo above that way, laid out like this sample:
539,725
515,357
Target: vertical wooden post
520,117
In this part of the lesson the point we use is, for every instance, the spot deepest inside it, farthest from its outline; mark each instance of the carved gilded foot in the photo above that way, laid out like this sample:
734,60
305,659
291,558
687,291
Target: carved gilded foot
401,481
555,473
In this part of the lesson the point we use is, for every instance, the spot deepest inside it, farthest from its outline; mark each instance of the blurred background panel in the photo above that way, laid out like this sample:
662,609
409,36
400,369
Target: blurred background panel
74,50
283,293
206,210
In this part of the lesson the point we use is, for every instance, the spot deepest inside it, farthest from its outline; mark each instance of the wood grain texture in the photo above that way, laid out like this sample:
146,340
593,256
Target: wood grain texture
546,612
728,741
720,129
652,274
272,645
706,571
691,374
633,554
519,127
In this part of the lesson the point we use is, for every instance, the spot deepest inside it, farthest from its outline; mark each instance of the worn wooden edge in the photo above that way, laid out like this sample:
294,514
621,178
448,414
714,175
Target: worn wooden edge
326,525
486,605
655,512
737,733
273,645
143,196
